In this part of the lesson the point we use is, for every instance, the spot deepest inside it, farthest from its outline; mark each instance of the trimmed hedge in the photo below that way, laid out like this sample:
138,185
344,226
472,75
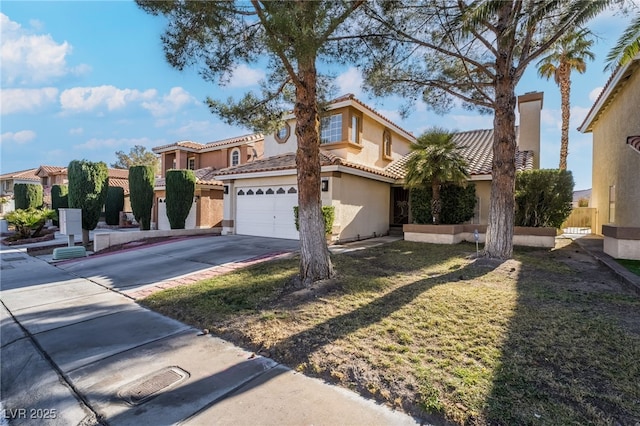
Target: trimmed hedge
458,203
27,196
88,183
543,197
180,187
113,205
59,199
328,215
141,181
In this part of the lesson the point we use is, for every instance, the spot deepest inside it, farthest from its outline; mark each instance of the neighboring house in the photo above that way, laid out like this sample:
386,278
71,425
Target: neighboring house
614,120
205,160
56,175
362,157
7,181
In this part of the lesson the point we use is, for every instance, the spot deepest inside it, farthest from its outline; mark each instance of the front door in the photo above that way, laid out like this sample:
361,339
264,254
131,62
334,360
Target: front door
399,206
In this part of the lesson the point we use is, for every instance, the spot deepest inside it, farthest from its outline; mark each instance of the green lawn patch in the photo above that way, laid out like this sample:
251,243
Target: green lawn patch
632,265
545,338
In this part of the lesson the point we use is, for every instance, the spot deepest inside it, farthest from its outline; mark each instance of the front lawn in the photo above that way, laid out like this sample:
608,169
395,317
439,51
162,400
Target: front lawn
544,338
632,265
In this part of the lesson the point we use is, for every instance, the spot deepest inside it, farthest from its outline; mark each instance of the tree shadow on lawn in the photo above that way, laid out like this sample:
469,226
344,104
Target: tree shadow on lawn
572,349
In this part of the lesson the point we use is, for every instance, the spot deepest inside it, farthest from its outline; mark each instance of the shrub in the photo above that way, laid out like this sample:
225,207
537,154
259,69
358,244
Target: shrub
29,222
543,197
59,199
113,205
328,216
180,187
88,183
141,181
583,202
457,203
27,195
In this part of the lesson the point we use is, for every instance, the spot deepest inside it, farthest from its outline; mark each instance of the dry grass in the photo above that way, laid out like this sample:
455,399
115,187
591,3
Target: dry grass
544,338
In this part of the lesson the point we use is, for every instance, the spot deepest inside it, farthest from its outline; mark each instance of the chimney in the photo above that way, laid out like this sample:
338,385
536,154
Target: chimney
529,107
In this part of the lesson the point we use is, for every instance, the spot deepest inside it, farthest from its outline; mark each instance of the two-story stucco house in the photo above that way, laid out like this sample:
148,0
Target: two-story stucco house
7,180
362,156
614,120
204,160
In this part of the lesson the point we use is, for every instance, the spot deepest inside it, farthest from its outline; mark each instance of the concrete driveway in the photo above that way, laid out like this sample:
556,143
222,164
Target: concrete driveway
137,268
76,353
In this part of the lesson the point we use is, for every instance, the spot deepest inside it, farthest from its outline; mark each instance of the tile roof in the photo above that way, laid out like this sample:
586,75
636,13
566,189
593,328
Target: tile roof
204,176
29,174
476,146
288,161
122,183
119,173
51,170
351,96
195,146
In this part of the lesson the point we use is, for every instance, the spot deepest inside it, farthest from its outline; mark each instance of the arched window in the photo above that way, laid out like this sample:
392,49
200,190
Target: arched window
386,143
235,157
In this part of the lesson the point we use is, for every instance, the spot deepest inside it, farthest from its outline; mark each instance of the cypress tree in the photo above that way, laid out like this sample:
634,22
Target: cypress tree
59,199
181,186
113,205
27,195
141,181
88,183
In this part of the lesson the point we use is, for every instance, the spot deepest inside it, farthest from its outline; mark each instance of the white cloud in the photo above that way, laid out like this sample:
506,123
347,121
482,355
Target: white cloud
76,131
350,81
28,58
593,95
243,76
205,131
171,103
578,115
96,143
551,118
26,100
85,99
20,137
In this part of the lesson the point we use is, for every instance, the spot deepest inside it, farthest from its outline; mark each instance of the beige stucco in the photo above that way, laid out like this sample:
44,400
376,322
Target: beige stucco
615,162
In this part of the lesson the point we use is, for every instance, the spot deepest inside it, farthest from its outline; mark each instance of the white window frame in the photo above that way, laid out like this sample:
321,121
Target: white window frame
234,157
189,161
331,128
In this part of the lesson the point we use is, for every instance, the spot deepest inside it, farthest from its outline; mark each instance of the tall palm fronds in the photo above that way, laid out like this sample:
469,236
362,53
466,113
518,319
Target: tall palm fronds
435,159
627,47
569,53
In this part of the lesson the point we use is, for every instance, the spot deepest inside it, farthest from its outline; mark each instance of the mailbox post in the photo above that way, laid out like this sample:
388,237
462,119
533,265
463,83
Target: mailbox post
70,224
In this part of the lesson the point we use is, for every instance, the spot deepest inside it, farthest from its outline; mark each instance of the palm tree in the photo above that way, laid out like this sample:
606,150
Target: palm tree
567,54
435,159
627,47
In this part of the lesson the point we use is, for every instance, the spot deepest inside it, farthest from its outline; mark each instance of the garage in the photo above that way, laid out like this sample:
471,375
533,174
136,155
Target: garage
267,211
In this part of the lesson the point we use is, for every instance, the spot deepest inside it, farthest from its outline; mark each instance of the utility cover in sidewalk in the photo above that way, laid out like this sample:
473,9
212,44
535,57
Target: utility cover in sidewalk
147,387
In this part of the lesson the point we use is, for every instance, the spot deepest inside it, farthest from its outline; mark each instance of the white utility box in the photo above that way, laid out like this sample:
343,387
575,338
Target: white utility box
70,221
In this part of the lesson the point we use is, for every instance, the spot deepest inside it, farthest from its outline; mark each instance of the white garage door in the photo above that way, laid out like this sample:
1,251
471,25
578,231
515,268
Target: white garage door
266,211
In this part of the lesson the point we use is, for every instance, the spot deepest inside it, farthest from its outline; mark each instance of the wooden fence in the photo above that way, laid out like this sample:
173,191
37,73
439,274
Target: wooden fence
582,220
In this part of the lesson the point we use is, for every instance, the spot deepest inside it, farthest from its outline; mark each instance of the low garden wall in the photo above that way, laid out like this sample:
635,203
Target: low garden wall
454,234
105,240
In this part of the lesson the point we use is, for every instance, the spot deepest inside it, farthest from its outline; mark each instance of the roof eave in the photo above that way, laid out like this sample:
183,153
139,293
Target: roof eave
609,90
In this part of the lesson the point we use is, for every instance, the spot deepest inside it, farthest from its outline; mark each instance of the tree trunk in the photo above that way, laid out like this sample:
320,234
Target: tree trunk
315,262
565,88
436,204
499,238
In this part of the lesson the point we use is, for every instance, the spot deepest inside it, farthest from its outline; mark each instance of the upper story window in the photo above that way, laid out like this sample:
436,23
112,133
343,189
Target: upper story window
235,157
191,163
386,143
283,133
45,181
355,129
331,128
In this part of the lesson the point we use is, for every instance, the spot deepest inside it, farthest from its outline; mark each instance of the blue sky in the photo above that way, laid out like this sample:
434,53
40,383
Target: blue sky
82,80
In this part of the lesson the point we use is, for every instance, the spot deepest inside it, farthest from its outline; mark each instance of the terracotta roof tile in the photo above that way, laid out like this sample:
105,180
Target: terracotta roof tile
29,174
476,147
119,173
122,183
288,161
208,146
204,176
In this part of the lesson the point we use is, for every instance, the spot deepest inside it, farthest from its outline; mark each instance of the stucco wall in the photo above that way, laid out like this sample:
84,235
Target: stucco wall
616,163
483,193
362,206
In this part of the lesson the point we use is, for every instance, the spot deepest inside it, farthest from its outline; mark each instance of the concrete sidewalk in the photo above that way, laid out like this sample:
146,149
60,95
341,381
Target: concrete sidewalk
77,353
